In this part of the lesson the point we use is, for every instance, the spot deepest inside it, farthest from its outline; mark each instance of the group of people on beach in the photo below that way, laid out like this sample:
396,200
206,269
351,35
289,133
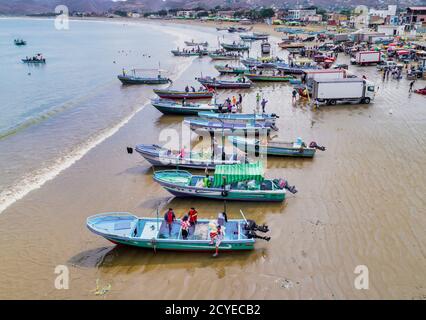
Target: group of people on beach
189,221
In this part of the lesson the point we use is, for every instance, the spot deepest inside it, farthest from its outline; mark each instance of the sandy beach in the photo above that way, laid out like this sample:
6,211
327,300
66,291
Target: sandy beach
361,202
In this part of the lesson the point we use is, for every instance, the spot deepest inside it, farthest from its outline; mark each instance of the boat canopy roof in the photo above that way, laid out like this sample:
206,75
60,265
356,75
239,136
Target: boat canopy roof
238,172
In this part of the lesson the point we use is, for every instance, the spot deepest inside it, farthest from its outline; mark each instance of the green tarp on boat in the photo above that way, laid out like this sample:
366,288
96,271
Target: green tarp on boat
237,173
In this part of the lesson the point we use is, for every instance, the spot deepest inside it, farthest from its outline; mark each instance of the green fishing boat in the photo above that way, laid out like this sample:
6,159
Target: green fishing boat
154,233
243,182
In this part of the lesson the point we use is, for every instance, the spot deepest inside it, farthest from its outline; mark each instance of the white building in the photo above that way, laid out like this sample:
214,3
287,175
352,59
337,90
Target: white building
391,11
300,14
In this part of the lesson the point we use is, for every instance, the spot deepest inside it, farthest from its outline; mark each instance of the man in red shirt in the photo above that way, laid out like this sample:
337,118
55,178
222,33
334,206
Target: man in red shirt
193,216
170,218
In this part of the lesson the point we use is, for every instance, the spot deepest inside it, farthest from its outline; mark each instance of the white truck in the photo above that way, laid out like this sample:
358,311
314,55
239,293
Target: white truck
347,90
366,58
323,74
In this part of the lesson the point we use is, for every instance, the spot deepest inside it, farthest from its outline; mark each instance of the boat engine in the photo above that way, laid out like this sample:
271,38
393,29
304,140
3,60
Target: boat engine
251,227
313,144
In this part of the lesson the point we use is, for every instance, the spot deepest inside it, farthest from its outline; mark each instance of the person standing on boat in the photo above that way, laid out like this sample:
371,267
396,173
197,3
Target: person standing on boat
193,216
222,218
170,218
185,227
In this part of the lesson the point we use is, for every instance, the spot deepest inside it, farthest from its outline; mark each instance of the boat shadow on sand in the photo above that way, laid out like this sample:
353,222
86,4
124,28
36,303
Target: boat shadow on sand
125,259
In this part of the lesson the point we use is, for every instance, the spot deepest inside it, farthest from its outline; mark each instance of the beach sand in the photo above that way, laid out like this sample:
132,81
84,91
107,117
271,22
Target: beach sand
361,202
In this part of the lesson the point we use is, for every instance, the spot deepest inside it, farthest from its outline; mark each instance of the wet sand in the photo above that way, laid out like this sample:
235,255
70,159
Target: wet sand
359,203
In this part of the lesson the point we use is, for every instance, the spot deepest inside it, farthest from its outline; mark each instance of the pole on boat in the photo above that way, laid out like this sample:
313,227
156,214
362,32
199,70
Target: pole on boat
158,221
212,143
244,217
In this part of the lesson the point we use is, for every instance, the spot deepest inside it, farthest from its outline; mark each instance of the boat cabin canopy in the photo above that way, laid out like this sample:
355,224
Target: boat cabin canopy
238,173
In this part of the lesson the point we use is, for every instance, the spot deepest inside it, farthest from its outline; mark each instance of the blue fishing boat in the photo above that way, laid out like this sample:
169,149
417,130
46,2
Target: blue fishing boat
213,83
154,233
20,42
277,148
159,156
243,182
37,59
230,127
187,108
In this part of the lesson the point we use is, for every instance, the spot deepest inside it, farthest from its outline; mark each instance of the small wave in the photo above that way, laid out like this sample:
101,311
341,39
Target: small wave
36,179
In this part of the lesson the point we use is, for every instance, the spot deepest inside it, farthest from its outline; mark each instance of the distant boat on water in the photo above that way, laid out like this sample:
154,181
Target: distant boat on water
20,42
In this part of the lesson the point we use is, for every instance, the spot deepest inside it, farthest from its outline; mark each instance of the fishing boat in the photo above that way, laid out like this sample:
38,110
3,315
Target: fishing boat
224,56
159,156
277,148
172,107
230,127
261,62
238,29
231,70
133,78
176,94
254,36
235,46
19,42
297,67
214,83
257,77
154,233
288,45
196,44
34,60
244,182
37,59
239,116
189,53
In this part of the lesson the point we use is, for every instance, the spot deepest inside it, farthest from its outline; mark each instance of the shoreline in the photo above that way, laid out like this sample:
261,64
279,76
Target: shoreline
35,180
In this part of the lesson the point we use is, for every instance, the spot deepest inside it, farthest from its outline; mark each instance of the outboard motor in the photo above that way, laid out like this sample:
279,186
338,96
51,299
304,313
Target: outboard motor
283,184
251,227
313,144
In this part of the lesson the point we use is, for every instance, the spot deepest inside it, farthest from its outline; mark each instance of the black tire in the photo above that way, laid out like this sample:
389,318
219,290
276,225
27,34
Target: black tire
366,100
332,102
224,193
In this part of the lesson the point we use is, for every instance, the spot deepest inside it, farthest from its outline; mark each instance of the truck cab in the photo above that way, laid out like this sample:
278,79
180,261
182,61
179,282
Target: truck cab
370,92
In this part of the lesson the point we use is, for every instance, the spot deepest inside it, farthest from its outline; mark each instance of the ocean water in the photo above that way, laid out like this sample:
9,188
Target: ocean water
51,114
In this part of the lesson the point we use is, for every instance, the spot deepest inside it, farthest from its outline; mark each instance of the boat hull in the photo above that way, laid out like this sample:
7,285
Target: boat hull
260,78
218,194
179,110
154,235
164,94
274,150
155,158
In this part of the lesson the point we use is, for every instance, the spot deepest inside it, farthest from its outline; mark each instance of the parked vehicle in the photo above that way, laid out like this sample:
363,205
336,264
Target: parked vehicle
367,58
352,90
